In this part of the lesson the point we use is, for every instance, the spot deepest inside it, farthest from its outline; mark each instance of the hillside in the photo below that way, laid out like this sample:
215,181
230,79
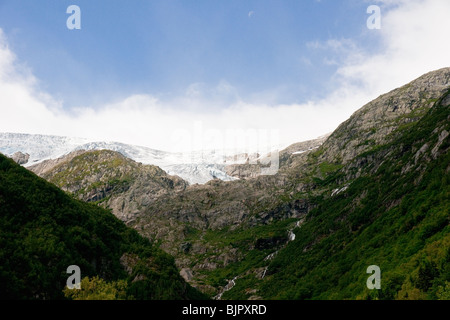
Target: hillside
43,231
388,206
381,175
251,167
110,179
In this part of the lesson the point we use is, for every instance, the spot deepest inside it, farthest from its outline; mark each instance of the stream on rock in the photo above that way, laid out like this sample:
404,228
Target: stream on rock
229,286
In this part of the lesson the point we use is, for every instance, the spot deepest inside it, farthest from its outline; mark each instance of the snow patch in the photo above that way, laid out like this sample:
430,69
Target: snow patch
303,151
339,190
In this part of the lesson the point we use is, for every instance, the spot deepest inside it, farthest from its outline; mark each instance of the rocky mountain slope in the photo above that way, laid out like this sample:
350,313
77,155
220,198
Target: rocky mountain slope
388,206
374,123
110,179
250,166
126,187
223,230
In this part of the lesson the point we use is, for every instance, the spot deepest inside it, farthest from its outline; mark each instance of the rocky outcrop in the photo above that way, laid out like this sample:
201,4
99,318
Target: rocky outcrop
373,124
250,166
45,167
20,158
110,179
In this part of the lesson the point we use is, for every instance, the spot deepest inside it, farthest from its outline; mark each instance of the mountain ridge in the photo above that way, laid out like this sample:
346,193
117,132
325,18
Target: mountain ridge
196,167
109,179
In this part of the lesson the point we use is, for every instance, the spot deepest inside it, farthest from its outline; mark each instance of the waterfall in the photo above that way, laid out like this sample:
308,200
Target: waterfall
231,283
264,273
291,236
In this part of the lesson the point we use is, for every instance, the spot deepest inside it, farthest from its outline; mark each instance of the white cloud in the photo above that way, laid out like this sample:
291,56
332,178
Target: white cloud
413,39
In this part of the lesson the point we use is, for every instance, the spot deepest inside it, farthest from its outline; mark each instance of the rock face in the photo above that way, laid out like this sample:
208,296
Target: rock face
250,166
110,179
20,158
45,167
186,273
373,123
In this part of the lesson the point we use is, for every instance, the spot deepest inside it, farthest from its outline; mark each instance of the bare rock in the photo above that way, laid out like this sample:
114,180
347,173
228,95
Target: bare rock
186,273
20,158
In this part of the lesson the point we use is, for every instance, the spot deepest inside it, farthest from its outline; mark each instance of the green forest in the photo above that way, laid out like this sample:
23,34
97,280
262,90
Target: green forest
43,231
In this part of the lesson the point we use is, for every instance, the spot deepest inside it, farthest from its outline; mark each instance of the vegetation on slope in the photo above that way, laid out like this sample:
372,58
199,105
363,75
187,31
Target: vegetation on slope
43,231
384,168
394,215
109,179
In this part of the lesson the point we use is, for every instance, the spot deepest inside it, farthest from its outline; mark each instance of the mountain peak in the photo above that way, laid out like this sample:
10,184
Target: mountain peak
110,179
372,124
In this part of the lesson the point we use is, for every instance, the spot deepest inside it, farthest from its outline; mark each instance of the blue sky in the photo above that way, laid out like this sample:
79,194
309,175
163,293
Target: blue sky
149,72
163,46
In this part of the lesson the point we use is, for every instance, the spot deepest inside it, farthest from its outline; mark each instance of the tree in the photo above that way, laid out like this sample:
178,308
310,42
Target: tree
98,289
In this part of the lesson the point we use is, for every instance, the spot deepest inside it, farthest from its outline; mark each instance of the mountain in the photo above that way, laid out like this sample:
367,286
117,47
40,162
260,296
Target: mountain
110,179
43,231
383,178
194,167
374,193
38,147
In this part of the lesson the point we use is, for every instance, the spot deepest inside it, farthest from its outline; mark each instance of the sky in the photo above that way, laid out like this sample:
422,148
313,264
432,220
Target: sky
179,75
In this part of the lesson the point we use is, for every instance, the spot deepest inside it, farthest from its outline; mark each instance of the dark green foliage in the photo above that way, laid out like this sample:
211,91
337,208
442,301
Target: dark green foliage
43,231
395,218
428,271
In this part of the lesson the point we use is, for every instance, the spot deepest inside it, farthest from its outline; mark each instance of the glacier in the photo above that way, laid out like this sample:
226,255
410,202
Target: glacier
194,167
